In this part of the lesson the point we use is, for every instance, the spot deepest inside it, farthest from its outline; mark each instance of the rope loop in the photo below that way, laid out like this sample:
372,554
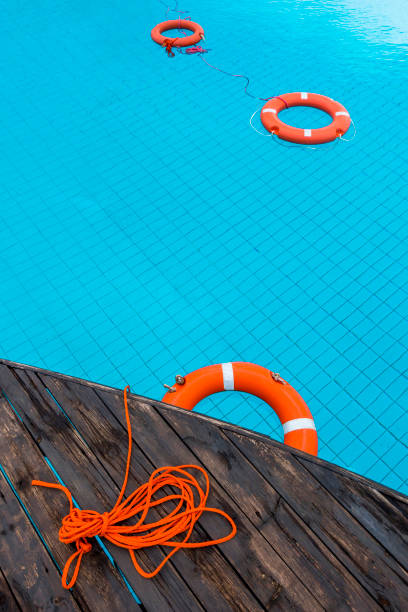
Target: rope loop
83,546
173,491
196,49
354,134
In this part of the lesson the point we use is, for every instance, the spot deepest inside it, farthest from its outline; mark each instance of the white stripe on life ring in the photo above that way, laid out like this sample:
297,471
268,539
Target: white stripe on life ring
269,110
343,113
295,424
228,376
308,132
303,95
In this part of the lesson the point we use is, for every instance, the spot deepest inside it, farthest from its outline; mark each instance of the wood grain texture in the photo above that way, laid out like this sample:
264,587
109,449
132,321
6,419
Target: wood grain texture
372,509
392,493
22,460
216,582
30,572
95,489
8,602
312,562
361,553
311,536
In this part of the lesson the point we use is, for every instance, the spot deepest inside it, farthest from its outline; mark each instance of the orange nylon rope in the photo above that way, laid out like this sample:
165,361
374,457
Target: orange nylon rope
79,525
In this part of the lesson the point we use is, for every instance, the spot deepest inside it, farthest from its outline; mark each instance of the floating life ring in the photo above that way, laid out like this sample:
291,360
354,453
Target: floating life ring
297,422
338,127
182,41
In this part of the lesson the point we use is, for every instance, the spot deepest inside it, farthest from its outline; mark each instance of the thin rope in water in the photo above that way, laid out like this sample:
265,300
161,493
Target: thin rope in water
242,76
79,525
353,136
254,128
174,10
199,50
304,147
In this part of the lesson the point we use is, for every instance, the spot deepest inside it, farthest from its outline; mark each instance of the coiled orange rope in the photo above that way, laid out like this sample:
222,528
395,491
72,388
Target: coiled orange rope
79,525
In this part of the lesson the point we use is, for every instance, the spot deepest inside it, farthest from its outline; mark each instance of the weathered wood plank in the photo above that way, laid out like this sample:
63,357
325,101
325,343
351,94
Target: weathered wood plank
400,504
366,482
8,602
252,556
207,571
362,554
70,456
22,459
372,509
392,493
25,561
330,538
320,571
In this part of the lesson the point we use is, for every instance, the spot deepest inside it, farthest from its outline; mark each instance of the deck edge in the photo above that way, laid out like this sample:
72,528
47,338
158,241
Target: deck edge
222,424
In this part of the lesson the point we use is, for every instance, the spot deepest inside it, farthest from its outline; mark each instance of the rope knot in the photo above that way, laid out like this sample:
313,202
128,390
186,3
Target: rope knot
168,43
196,49
84,546
105,524
80,524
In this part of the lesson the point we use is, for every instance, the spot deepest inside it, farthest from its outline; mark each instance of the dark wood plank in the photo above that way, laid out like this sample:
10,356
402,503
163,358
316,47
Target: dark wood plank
401,504
253,557
8,602
382,518
392,493
348,540
320,571
27,566
22,460
330,538
95,489
207,571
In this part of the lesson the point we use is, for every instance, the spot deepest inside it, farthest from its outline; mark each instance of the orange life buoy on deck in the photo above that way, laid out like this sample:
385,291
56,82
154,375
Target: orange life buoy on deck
182,41
297,421
338,127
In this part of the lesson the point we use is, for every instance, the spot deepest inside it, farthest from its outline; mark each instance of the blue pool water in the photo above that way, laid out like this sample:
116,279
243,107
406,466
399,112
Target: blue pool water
147,230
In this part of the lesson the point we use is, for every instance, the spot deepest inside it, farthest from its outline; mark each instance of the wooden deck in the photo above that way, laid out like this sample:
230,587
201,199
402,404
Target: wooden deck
311,536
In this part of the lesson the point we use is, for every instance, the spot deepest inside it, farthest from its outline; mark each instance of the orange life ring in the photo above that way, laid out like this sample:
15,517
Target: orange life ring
183,41
339,125
297,421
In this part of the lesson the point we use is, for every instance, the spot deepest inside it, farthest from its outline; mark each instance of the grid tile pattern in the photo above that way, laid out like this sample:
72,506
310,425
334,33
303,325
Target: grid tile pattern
146,230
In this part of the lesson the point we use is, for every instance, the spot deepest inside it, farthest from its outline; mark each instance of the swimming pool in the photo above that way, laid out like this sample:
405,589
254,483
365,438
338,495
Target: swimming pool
146,230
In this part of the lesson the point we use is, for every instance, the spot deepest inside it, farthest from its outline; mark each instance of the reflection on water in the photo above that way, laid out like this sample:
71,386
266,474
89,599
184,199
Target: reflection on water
381,22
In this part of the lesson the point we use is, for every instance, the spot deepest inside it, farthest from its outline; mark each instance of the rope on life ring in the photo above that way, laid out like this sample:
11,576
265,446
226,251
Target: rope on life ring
181,41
